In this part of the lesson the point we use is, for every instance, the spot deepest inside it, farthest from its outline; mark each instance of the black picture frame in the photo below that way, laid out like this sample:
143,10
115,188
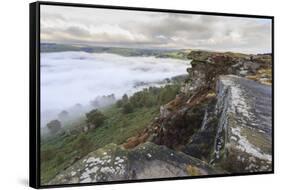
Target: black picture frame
34,90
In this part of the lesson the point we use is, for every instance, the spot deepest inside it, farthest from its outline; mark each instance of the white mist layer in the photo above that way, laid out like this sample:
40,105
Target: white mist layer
69,78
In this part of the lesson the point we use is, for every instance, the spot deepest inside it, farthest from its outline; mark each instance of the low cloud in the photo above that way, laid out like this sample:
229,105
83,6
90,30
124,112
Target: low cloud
84,77
151,29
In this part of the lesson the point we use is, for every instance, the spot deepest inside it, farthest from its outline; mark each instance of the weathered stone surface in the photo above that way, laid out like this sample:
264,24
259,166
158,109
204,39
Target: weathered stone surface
201,143
113,163
176,129
208,66
235,133
243,141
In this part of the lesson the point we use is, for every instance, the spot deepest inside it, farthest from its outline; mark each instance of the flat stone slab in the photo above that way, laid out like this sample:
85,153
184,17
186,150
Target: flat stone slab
146,161
244,136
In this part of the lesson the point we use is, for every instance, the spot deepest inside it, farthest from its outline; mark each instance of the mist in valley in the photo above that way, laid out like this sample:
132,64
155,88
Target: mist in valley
73,83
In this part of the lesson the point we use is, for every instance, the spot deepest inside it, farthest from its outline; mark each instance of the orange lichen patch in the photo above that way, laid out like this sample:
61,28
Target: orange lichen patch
211,95
193,170
263,76
175,103
200,97
143,138
132,142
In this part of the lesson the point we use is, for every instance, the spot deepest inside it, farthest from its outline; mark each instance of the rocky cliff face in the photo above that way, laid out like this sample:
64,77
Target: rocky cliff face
231,131
224,118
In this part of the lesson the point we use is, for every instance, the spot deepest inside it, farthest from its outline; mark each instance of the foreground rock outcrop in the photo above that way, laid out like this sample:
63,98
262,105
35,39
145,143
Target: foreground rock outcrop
113,163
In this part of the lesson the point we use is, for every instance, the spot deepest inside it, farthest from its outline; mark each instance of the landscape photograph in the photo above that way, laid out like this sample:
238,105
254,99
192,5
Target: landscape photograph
138,95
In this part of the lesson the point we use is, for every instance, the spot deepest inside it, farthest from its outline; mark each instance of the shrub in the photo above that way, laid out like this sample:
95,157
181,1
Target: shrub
95,117
59,158
119,103
125,98
54,126
63,115
47,154
148,97
81,143
127,108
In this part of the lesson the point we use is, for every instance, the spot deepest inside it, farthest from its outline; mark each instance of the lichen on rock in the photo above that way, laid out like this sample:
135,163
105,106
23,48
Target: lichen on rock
146,161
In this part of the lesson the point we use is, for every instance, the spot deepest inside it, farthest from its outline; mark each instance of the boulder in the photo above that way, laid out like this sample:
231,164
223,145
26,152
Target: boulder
146,161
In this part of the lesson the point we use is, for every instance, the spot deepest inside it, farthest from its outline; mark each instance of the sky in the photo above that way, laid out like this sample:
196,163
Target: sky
143,29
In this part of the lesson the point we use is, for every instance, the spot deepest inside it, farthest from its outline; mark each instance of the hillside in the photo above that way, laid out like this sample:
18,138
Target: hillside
161,53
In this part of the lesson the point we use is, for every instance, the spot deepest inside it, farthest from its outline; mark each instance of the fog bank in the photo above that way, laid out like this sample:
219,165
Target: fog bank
71,78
